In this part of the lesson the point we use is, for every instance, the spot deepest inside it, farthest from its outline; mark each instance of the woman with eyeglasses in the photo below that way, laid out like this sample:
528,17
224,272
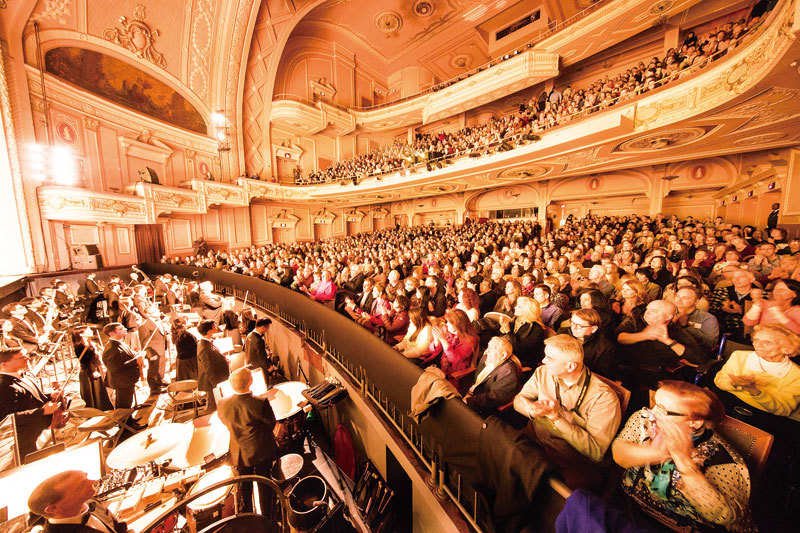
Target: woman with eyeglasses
677,468
783,306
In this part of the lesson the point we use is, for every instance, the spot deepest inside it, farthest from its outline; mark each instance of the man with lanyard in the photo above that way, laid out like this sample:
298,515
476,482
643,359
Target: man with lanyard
21,396
573,414
64,501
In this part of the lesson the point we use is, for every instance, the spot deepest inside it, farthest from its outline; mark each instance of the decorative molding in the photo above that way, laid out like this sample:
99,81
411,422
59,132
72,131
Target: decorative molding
136,36
388,22
74,204
284,219
287,150
90,123
144,150
323,216
273,191
55,10
220,193
322,88
169,199
661,140
202,34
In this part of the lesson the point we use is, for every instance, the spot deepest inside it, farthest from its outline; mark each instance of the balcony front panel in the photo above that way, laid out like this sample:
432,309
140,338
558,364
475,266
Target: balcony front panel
514,74
170,199
224,194
297,117
73,204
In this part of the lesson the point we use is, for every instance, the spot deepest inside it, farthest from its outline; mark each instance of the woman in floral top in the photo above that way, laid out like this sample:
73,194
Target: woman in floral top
677,468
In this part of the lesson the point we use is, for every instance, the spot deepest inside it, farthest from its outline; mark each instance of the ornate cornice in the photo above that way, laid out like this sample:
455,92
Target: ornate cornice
221,193
82,205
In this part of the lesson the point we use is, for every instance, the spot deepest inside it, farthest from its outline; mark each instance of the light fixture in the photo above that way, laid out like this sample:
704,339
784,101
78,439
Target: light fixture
57,164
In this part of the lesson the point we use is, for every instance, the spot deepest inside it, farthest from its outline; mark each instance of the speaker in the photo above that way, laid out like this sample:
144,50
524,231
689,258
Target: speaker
148,175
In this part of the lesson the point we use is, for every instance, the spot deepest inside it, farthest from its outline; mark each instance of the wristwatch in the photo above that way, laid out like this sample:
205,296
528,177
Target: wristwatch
673,343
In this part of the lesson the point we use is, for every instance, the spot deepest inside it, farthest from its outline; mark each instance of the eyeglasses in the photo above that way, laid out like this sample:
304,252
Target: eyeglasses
581,326
660,409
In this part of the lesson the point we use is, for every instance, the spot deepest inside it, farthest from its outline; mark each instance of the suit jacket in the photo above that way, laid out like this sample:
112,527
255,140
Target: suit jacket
498,389
211,305
256,352
158,342
89,288
123,369
439,301
212,368
99,511
26,401
250,421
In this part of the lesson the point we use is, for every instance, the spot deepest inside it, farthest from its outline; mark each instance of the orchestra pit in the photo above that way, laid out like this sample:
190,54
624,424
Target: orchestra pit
399,266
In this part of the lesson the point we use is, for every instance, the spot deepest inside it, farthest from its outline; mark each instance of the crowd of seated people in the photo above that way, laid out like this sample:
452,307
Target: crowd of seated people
631,299
546,111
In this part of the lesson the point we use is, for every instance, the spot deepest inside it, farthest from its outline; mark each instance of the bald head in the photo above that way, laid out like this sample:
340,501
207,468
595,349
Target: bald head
659,312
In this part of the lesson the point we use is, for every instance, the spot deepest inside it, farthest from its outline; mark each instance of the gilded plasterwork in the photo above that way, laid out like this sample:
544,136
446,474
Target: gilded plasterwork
137,36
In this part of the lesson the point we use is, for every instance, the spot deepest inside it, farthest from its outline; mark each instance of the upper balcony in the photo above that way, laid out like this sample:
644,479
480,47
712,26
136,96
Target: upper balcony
596,28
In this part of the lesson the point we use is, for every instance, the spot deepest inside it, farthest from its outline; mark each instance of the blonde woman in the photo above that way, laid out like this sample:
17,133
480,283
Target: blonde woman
765,378
417,342
525,331
632,294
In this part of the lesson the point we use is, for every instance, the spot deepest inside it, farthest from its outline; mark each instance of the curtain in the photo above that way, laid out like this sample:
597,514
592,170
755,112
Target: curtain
149,242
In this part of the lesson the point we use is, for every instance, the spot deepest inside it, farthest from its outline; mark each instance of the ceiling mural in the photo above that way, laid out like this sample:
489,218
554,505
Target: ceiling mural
123,84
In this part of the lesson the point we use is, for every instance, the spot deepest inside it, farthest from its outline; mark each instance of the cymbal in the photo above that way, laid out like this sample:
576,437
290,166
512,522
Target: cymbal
148,445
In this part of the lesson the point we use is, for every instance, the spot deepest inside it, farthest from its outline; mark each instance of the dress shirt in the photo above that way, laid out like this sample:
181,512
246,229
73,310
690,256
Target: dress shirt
589,429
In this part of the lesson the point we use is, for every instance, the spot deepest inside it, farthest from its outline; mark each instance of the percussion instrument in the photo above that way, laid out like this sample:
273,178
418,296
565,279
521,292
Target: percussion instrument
213,506
286,468
209,439
148,445
308,503
287,402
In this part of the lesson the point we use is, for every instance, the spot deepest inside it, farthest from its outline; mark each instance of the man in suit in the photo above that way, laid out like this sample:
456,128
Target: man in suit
497,378
23,329
123,365
130,318
256,354
89,288
22,397
250,421
212,367
65,501
154,335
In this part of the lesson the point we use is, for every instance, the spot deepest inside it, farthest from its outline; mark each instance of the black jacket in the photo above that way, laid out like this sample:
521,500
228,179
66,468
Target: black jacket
600,355
256,352
250,421
528,343
498,389
123,370
212,369
26,402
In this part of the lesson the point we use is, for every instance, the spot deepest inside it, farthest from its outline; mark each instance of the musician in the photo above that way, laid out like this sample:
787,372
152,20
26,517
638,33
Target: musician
65,500
256,354
90,288
210,303
7,338
35,306
153,337
230,319
250,421
212,367
174,295
131,319
161,287
62,296
23,329
140,300
92,375
247,320
21,396
111,294
186,350
122,364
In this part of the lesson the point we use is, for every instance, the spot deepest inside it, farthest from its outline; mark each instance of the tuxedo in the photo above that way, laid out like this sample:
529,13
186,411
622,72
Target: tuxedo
212,369
97,520
89,288
160,288
156,352
256,352
24,399
123,372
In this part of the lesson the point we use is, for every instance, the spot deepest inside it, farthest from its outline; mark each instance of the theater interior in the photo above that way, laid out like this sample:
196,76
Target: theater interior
226,161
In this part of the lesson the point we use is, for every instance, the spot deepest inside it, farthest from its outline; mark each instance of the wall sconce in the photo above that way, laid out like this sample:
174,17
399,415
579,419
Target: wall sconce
771,186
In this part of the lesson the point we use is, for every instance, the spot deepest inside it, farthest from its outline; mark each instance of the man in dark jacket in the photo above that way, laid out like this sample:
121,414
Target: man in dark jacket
497,378
256,354
212,367
122,365
250,421
21,397
599,353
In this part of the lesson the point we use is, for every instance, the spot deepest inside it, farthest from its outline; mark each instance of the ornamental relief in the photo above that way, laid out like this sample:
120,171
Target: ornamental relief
163,198
136,36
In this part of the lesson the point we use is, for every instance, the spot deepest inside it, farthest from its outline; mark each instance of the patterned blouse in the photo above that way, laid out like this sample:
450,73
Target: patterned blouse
658,489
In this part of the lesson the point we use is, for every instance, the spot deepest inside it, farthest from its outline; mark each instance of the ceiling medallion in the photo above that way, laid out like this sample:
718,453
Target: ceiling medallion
388,22
661,6
136,36
523,173
461,61
424,8
661,140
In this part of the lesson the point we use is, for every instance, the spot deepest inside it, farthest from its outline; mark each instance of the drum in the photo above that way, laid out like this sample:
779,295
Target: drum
210,440
286,400
308,503
213,506
286,468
